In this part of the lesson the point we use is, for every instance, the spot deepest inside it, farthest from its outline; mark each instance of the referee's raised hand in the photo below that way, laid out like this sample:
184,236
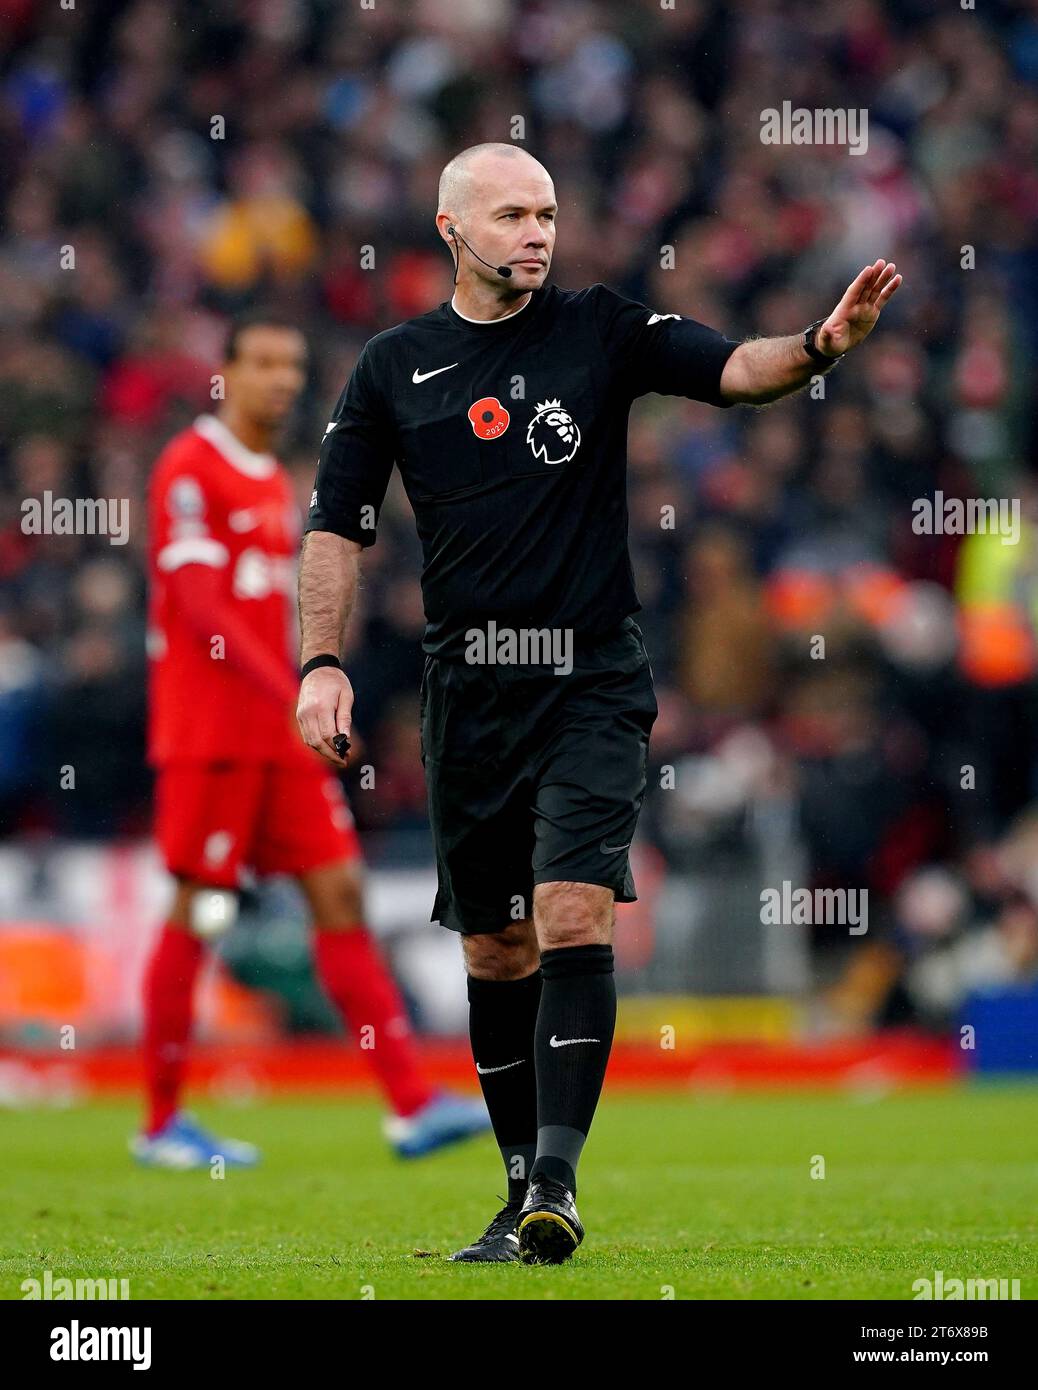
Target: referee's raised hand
855,316
325,710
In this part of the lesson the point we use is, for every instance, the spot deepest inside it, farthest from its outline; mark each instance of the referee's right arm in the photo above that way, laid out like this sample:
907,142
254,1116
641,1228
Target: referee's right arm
353,472
328,574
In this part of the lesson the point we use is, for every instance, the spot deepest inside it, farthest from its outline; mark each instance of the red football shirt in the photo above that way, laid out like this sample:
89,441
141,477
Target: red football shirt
219,511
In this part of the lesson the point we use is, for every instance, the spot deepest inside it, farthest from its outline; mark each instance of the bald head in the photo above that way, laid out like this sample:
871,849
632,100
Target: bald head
497,207
484,171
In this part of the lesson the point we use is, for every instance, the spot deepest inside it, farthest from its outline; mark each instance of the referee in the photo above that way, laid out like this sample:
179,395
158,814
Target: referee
506,413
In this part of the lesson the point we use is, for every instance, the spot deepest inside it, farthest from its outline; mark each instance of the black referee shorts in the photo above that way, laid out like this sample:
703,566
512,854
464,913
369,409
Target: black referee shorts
534,777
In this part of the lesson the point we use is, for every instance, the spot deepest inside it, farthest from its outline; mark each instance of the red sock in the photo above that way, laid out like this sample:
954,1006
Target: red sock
169,983
362,989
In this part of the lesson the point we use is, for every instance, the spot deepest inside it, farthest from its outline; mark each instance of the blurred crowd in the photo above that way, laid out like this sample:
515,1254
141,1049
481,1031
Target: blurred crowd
169,162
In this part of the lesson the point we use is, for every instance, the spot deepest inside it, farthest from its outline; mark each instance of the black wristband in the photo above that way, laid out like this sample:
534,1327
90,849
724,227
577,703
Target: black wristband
810,346
317,661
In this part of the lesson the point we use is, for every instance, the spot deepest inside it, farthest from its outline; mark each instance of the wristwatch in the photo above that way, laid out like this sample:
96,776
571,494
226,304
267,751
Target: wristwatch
811,347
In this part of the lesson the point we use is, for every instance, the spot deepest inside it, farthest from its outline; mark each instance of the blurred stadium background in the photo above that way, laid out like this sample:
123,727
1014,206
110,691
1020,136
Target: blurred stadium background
852,772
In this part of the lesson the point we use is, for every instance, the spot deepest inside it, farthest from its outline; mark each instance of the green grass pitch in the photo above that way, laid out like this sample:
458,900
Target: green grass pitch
683,1196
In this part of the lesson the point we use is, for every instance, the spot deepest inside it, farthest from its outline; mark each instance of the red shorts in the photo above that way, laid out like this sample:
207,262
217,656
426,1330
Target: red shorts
212,820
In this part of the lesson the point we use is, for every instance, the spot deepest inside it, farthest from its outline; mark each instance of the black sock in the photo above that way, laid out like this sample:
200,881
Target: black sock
574,1034
502,1019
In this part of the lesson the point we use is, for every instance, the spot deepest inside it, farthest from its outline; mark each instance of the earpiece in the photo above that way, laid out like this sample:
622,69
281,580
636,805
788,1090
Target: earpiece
505,271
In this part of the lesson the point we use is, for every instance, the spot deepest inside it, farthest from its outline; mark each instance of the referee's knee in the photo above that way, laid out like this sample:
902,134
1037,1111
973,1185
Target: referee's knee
510,954
573,914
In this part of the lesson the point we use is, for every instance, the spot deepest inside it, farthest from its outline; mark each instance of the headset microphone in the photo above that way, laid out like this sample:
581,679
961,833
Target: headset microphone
503,270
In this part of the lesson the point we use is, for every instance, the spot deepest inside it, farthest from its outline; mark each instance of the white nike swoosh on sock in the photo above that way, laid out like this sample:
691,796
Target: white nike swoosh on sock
553,1041
485,1071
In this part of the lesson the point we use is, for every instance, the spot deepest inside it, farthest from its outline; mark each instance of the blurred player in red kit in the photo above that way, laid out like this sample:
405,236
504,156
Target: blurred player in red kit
235,787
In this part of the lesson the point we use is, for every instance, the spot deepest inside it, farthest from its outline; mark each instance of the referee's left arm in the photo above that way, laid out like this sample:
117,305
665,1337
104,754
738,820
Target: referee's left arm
765,369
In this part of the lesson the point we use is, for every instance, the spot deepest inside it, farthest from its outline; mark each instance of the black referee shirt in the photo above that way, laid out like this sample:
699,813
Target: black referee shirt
511,440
